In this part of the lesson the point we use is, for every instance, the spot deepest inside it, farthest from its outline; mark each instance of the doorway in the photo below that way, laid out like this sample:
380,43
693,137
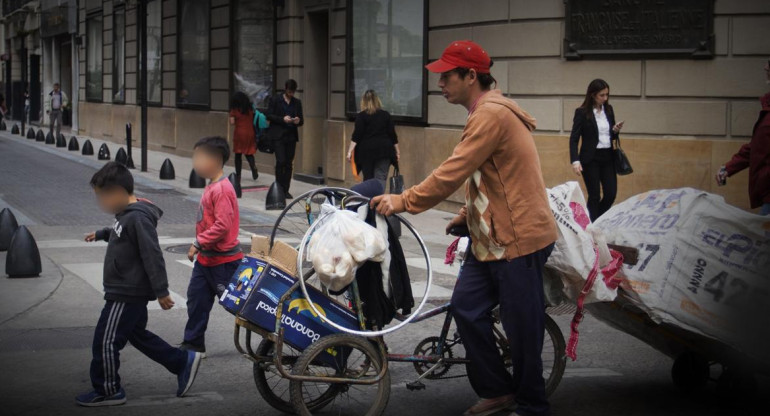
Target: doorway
315,97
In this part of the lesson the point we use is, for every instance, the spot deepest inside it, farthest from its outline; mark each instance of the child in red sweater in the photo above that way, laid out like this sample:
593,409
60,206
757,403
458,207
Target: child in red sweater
216,242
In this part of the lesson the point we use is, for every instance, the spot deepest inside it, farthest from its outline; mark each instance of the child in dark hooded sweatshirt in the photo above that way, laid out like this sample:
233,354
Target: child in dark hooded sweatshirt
134,274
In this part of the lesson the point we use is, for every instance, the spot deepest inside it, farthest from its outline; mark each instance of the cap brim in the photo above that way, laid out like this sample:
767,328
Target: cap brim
440,66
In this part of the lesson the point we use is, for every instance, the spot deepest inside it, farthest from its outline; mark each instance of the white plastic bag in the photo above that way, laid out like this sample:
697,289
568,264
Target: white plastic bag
340,244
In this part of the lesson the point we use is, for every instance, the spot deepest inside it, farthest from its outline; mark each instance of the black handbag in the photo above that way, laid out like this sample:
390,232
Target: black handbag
396,183
622,165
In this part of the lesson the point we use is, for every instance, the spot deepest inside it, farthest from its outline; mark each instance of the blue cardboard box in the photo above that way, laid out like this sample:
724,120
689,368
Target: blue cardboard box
242,284
301,325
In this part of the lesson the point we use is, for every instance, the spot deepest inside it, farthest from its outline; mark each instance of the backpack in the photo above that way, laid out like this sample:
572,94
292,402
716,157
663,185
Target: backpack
261,124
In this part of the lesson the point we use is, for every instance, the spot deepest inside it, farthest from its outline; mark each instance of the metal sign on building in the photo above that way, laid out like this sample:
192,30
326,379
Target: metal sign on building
639,29
58,17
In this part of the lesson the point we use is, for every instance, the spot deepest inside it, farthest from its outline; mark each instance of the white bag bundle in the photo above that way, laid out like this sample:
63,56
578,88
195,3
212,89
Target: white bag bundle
340,244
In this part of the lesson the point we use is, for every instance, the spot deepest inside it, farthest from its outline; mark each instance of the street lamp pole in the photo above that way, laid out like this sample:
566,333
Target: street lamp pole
143,79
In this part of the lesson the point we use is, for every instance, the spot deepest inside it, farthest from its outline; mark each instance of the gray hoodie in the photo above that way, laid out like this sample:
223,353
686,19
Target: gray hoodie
134,269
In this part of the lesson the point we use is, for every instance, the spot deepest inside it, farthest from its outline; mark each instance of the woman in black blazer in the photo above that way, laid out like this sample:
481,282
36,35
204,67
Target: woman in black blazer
595,122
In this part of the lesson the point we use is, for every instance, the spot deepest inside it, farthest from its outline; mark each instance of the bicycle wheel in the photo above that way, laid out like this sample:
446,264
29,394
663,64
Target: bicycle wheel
553,355
274,388
354,358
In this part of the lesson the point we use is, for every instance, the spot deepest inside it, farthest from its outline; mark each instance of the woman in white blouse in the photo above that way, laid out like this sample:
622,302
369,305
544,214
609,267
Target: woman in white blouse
595,122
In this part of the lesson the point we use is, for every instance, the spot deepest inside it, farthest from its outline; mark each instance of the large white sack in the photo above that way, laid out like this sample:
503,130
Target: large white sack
704,265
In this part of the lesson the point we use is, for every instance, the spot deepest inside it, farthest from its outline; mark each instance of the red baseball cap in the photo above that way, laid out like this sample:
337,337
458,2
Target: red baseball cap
462,54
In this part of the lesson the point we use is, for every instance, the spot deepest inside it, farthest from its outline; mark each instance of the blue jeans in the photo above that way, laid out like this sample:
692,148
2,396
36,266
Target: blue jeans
206,284
517,286
765,209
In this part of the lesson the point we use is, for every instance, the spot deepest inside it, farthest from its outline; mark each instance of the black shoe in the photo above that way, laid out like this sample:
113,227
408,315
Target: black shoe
186,346
288,196
254,174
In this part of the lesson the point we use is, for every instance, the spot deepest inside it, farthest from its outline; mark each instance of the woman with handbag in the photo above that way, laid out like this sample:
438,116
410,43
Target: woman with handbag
594,121
241,116
375,143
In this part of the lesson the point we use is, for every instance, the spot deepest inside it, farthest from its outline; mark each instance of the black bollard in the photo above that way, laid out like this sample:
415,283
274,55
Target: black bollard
233,178
3,127
104,152
121,157
130,161
167,170
88,149
8,226
61,141
23,259
49,139
40,137
276,198
31,133
196,181
15,129
73,145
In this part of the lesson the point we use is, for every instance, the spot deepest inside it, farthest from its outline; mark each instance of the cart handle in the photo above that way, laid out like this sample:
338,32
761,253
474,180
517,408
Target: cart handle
370,334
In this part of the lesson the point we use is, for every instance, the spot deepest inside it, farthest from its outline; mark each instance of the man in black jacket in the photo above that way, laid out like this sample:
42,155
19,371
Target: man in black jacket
134,273
285,114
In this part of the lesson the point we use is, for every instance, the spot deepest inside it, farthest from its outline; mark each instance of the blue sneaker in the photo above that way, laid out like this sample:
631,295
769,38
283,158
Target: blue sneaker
187,376
94,399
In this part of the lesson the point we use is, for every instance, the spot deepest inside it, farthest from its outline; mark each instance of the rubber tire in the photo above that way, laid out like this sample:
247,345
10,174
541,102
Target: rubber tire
332,341
737,385
560,361
266,348
690,372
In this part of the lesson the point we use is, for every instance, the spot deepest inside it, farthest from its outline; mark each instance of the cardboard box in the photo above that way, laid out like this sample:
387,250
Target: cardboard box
301,326
242,283
282,254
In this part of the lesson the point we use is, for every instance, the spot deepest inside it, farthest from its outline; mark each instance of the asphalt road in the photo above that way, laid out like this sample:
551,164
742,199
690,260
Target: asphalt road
45,351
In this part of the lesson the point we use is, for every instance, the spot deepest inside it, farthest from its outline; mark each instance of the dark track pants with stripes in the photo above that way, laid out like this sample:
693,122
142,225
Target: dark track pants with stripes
119,323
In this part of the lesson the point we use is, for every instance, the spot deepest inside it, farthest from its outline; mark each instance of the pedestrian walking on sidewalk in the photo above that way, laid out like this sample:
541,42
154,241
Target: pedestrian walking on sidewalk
244,139
511,228
57,102
754,155
216,242
594,121
134,273
375,144
285,115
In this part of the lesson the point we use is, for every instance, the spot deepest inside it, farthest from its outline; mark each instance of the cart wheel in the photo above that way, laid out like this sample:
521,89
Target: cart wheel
690,372
429,346
294,221
553,356
355,358
274,388
734,385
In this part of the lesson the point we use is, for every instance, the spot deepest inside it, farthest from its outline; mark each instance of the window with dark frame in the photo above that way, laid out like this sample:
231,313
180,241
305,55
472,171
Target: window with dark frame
94,57
253,46
386,53
193,66
119,55
154,53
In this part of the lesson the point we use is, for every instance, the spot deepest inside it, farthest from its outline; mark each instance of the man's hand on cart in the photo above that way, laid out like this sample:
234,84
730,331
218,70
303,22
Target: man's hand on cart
457,221
384,205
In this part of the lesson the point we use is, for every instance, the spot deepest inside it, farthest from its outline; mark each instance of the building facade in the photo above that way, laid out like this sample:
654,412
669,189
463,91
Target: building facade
684,114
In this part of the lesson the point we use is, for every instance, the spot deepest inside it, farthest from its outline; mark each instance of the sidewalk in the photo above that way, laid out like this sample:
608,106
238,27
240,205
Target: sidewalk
430,224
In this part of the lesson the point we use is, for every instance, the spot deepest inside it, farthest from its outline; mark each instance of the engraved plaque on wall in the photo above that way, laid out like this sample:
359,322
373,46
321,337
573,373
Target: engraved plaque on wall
639,29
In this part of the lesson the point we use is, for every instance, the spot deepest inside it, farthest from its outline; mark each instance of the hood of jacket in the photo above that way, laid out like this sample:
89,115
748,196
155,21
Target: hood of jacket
496,97
144,207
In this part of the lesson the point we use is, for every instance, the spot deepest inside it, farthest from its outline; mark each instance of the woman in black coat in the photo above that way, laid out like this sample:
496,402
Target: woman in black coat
374,144
594,121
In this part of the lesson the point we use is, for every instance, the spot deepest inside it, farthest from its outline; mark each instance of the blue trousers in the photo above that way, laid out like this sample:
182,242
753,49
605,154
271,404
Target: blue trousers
765,209
119,323
206,284
517,286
